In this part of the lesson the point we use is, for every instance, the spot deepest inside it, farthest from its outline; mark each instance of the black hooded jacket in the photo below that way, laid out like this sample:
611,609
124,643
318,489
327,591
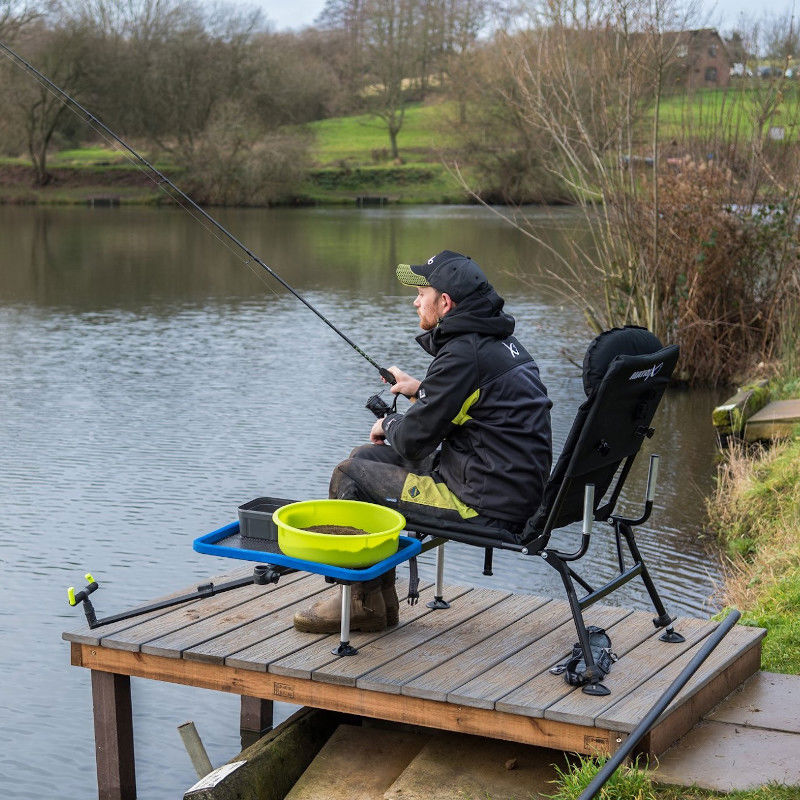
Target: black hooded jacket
483,401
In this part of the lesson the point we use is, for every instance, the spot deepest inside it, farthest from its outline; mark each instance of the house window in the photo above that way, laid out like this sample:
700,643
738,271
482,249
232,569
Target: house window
712,51
711,74
682,50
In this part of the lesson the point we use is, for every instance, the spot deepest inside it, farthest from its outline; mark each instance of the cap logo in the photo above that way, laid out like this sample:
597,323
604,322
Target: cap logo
430,260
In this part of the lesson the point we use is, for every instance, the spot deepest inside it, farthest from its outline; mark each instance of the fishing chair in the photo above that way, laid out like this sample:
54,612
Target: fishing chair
625,373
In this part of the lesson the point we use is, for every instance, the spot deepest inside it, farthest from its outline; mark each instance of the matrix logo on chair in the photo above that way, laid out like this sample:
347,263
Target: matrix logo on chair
647,373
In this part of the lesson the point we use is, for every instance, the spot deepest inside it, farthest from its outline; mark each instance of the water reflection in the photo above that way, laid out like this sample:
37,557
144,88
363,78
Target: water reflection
149,384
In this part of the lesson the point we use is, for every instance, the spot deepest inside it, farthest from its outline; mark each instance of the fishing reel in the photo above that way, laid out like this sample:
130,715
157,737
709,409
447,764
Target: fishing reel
378,406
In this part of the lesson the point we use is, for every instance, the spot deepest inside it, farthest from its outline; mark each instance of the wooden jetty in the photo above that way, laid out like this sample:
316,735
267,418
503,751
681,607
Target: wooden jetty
750,415
774,421
479,667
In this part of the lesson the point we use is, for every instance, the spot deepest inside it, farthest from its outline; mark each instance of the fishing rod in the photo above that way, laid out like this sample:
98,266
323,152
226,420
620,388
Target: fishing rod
92,120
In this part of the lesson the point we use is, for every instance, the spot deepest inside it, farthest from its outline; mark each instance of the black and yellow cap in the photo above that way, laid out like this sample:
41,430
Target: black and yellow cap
450,272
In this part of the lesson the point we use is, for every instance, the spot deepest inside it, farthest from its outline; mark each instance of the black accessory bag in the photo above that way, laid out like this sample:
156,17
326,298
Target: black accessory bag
574,668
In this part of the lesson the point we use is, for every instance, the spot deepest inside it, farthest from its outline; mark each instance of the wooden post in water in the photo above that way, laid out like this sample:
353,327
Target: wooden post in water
113,736
255,719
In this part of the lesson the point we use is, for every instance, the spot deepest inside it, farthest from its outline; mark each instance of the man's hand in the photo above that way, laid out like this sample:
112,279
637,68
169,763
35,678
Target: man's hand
376,435
405,385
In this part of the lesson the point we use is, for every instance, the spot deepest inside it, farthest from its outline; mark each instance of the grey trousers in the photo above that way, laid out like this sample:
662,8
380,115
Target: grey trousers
376,473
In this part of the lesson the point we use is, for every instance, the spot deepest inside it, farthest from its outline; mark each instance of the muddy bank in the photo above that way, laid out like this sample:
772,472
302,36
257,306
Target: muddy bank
70,185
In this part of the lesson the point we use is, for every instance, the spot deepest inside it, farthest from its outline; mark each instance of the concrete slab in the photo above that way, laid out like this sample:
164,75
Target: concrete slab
767,700
725,757
457,767
357,764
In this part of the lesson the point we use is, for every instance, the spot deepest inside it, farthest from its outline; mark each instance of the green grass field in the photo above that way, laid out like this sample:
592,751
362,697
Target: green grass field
738,110
364,139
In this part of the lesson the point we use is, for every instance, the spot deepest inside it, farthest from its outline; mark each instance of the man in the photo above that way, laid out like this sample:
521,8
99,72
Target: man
475,445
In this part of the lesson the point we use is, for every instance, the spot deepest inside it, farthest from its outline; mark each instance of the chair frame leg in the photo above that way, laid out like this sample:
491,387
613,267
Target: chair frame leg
592,674
559,562
664,619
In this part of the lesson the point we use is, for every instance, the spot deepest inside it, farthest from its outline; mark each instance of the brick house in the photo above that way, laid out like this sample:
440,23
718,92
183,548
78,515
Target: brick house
701,59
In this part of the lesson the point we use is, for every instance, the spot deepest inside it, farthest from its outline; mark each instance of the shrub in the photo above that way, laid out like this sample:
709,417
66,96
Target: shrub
724,277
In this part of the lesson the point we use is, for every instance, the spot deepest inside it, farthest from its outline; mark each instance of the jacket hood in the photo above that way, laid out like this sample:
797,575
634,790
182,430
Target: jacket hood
481,312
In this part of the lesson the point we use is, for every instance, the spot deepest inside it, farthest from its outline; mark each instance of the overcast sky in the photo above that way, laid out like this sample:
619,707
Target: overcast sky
723,14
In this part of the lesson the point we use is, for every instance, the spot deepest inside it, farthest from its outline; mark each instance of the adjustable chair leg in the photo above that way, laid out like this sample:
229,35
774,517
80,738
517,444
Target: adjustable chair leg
663,620
592,674
438,601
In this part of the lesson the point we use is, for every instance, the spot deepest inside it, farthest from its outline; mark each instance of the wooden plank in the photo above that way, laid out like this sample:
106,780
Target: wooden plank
485,690
444,647
635,666
316,654
263,653
261,626
276,639
352,700
545,689
346,671
113,736
465,604
291,589
133,638
87,635
437,683
626,713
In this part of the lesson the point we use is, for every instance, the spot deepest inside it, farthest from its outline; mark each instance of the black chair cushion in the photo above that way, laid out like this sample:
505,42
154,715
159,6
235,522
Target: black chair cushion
632,340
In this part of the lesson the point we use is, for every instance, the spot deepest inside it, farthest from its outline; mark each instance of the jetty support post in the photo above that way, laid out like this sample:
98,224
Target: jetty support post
255,719
113,736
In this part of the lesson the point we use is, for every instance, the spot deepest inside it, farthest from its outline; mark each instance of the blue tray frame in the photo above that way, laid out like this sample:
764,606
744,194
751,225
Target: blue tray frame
209,544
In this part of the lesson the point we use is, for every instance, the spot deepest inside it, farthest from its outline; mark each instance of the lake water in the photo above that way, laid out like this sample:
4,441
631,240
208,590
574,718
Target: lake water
150,383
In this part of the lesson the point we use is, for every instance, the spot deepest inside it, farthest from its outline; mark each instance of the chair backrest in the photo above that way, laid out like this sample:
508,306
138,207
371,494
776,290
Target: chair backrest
626,371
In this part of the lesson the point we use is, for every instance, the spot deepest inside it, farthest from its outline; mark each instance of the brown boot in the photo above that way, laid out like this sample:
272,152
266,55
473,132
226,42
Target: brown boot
390,600
367,611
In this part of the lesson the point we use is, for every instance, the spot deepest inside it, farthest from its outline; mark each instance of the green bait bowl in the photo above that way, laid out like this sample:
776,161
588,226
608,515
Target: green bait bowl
381,528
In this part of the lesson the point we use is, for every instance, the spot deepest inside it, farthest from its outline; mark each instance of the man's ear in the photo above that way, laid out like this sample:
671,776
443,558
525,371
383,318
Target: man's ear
447,303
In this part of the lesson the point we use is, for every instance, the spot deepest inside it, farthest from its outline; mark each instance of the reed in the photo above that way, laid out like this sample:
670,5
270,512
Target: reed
694,236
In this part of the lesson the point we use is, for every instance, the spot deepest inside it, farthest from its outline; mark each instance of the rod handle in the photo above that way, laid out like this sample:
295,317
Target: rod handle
387,376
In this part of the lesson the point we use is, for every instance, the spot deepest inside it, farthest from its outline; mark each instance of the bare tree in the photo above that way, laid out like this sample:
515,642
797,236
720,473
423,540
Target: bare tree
15,15
33,108
346,18
391,58
782,38
396,48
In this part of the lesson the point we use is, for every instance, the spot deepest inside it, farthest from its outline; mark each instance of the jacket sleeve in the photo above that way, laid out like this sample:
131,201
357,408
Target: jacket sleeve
452,377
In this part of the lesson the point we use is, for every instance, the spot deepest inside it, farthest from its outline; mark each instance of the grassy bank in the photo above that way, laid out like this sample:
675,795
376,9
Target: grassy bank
629,783
78,176
350,156
350,163
755,512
